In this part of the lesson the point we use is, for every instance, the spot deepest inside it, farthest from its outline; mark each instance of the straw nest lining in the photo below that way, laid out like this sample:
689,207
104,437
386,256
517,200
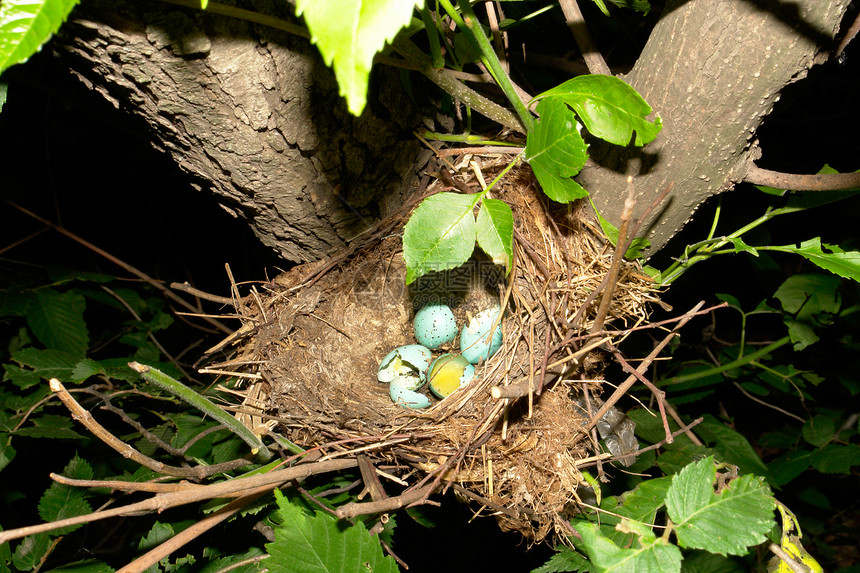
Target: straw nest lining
322,329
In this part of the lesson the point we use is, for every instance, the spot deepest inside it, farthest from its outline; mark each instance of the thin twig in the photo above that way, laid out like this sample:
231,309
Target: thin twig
188,289
625,386
408,497
227,488
658,394
138,273
576,22
85,418
156,554
802,182
795,566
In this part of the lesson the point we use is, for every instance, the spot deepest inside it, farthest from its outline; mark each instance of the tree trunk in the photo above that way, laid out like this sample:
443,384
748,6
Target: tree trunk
712,69
254,115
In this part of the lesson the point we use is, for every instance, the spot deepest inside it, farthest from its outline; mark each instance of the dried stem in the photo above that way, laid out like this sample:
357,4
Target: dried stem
576,22
625,386
408,497
797,182
228,488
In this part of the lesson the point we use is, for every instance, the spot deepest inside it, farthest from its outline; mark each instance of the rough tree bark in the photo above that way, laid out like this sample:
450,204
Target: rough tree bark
254,115
712,69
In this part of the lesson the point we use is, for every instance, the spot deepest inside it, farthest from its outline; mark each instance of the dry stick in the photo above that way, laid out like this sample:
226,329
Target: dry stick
620,249
167,292
796,182
795,566
226,488
409,497
188,289
849,35
156,554
575,21
84,417
371,480
121,485
658,394
513,513
625,386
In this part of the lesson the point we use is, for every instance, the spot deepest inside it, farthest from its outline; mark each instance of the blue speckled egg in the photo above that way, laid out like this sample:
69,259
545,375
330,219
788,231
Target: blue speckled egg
410,361
402,395
449,372
435,325
476,342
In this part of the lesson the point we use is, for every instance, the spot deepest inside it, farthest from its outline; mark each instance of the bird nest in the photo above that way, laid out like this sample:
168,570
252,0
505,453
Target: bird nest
516,438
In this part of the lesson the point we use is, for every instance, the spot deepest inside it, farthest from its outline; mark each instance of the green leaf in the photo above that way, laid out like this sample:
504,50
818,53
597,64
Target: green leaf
652,555
495,230
788,466
704,562
349,33
700,514
50,426
85,566
45,364
844,264
836,458
639,5
57,320
556,151
320,544
609,108
440,234
63,501
819,430
7,452
158,534
812,299
642,503
732,447
30,551
565,560
27,24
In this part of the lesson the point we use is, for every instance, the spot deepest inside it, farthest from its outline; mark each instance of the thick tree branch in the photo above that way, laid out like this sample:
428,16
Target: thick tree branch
802,182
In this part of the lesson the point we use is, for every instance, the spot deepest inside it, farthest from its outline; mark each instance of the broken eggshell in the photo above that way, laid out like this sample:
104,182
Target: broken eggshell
435,325
404,395
410,361
449,372
476,342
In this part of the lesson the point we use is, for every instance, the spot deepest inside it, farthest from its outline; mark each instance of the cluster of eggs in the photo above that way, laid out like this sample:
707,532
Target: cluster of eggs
407,368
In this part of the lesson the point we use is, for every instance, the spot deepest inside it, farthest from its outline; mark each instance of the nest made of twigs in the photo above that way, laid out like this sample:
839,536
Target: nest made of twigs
514,438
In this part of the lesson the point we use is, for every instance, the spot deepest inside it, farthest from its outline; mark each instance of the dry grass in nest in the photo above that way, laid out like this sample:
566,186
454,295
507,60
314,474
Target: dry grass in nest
515,439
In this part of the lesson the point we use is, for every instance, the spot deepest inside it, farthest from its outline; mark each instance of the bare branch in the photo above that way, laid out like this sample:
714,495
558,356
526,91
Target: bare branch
802,182
575,21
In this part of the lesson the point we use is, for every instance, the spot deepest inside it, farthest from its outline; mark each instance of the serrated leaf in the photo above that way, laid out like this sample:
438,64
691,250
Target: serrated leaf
62,501
700,514
224,562
704,562
650,555
47,364
565,560
609,108
27,24
7,452
845,264
30,551
319,544
349,33
495,231
57,320
440,234
85,566
49,426
644,500
812,299
741,247
85,369
732,447
819,430
556,151
157,534
836,458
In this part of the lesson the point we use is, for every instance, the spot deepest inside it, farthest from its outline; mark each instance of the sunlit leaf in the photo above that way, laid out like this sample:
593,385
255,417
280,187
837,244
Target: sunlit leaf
440,234
700,514
609,108
556,151
27,24
349,33
495,231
